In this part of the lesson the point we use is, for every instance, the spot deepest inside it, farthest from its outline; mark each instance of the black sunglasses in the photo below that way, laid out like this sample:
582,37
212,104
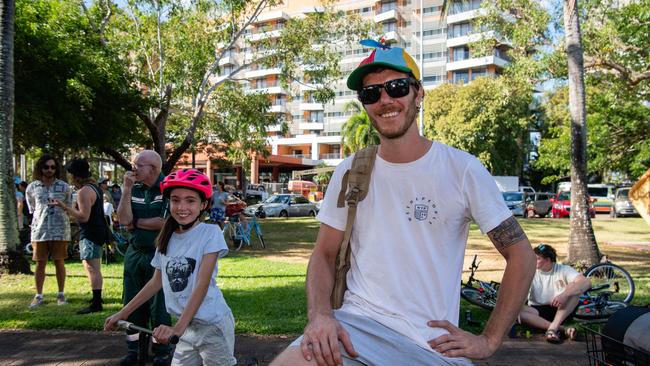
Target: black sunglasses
396,88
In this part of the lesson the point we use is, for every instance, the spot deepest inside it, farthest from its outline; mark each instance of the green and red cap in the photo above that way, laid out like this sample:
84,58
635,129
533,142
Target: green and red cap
395,58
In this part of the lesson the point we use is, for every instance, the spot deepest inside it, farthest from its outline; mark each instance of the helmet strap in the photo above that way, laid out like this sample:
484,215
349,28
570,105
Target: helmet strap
189,226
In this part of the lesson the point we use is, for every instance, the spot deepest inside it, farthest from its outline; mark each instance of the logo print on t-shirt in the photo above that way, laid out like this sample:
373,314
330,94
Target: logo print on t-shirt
179,270
421,209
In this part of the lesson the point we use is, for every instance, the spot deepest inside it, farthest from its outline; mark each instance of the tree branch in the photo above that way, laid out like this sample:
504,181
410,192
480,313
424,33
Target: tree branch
117,156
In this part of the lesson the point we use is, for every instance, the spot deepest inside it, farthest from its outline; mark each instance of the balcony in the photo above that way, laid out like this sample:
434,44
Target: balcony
264,35
465,16
278,108
468,38
267,90
311,126
476,62
274,128
254,74
392,37
312,106
310,87
271,15
330,156
228,60
386,15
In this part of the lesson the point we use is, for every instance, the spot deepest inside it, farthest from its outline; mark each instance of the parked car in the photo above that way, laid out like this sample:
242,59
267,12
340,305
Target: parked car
527,189
255,190
622,205
283,205
539,204
562,205
602,193
515,202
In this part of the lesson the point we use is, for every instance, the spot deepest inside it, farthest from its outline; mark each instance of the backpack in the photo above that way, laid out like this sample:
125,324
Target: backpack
354,188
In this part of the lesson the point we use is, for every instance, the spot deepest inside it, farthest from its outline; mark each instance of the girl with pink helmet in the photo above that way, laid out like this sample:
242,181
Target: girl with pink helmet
186,269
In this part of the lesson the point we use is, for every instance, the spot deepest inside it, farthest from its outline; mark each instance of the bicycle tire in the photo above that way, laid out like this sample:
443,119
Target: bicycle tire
588,311
239,238
617,279
260,236
474,296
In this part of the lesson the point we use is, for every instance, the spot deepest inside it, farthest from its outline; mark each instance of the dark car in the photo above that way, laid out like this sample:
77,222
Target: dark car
562,206
622,205
539,204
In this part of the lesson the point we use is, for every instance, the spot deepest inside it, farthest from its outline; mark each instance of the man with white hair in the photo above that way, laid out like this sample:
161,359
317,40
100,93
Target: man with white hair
142,209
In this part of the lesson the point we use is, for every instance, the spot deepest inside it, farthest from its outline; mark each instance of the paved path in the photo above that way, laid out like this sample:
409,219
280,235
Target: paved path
74,348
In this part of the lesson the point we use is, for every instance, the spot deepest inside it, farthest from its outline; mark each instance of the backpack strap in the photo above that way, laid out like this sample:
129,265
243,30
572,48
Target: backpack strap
354,188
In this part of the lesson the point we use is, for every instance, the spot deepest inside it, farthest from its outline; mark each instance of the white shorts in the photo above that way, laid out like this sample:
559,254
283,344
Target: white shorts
207,344
379,345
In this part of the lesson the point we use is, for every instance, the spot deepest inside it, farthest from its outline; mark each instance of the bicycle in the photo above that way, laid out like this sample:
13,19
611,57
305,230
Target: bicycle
241,234
612,290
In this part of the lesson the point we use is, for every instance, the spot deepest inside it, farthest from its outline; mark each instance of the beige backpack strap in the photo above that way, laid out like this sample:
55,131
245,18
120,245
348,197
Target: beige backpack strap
354,189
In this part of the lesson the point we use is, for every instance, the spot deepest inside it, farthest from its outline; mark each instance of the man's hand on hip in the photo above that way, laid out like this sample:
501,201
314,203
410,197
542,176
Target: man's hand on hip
459,343
321,341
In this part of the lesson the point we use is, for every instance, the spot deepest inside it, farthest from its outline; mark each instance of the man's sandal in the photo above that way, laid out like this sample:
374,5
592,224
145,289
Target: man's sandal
552,336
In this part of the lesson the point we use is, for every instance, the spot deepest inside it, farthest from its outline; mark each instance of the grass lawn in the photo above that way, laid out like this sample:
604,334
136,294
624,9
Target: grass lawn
265,288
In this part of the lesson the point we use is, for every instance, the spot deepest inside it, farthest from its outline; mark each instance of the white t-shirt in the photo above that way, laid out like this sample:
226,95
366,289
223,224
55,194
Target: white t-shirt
180,266
547,285
409,237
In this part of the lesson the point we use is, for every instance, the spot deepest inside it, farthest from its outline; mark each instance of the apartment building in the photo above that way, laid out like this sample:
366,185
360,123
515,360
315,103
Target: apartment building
314,134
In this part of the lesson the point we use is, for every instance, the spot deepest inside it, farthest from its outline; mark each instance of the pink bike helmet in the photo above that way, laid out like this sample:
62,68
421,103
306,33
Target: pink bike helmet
187,178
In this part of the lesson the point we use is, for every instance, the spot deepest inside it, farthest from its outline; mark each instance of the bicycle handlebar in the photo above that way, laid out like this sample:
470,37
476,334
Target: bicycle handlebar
130,326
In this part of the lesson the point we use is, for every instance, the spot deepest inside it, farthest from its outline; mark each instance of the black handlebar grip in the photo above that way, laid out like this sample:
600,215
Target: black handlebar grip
173,339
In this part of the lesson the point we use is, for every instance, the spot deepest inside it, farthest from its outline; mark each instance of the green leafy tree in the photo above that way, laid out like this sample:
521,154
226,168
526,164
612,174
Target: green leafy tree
176,47
488,118
11,259
357,132
72,93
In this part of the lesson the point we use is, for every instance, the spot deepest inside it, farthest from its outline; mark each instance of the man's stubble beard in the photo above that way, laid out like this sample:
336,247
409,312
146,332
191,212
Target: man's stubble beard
408,121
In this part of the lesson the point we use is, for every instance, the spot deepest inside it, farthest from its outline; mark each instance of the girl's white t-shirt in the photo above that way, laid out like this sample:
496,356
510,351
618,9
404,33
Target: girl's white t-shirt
180,266
409,237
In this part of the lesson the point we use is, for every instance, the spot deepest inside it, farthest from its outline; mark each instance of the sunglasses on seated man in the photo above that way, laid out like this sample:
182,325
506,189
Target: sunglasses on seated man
395,88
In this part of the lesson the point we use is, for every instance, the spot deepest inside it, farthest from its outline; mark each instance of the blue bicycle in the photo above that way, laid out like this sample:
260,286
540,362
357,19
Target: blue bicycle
240,232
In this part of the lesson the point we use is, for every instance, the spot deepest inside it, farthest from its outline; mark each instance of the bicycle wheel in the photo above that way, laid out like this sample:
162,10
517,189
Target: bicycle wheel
260,237
592,311
612,278
474,296
239,239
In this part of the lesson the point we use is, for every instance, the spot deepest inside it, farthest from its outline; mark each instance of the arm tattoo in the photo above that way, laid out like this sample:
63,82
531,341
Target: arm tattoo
507,233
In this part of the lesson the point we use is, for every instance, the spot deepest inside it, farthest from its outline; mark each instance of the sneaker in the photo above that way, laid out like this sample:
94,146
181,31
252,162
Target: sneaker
131,359
162,360
60,300
36,302
91,309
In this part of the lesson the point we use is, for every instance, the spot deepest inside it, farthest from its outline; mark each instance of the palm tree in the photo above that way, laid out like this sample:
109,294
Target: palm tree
357,132
11,260
583,249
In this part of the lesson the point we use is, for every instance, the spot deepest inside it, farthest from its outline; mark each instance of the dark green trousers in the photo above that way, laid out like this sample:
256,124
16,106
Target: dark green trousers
137,272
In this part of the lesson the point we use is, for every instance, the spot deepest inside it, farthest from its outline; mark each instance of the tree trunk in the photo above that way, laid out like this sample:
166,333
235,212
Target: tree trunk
583,249
11,259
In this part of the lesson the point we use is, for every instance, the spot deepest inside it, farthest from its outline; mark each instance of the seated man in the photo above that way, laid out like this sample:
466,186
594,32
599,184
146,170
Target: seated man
553,295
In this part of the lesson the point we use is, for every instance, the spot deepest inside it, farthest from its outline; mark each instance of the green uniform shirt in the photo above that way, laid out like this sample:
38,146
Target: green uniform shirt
147,202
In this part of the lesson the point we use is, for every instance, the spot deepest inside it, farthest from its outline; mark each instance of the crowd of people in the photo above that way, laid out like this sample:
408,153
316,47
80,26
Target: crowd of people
392,311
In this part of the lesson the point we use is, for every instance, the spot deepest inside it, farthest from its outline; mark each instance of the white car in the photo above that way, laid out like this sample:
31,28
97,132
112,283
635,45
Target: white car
283,205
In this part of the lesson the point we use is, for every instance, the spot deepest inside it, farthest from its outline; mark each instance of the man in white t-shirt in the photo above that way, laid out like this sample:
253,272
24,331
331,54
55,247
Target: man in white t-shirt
408,242
553,296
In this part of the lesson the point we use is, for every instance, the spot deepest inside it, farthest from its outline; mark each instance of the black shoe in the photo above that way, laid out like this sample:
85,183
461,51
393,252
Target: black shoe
162,360
131,359
93,308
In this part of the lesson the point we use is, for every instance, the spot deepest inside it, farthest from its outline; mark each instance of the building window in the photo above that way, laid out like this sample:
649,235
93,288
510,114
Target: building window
461,53
388,6
389,27
460,29
433,79
461,6
461,76
316,116
431,9
479,72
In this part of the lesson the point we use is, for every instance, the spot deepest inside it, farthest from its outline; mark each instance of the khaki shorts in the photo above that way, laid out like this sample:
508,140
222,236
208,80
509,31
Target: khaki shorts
43,250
